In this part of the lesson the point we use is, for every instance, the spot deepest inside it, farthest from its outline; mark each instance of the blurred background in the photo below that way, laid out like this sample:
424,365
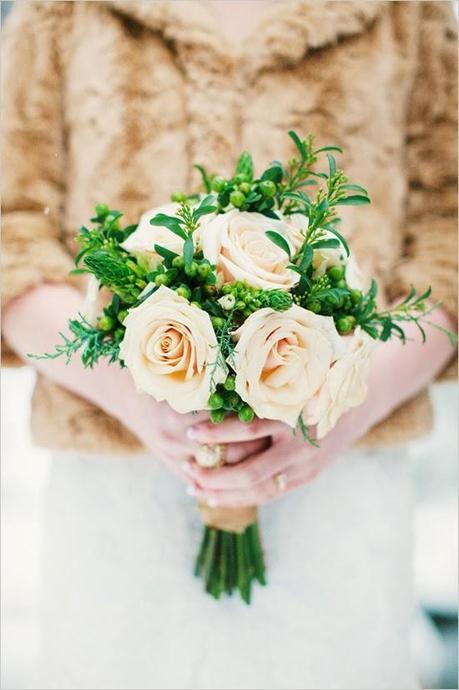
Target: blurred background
24,474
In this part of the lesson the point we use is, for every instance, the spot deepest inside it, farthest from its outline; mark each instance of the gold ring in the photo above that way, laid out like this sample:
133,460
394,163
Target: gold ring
280,480
210,456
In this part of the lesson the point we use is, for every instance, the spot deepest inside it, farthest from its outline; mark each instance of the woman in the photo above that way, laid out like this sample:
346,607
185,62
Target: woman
113,102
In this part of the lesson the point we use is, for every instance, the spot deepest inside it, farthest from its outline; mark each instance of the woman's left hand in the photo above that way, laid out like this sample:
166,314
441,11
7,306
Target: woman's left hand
289,462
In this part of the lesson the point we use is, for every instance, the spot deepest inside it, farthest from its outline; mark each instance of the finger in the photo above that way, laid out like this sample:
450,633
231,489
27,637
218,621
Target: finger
237,452
255,469
268,490
231,430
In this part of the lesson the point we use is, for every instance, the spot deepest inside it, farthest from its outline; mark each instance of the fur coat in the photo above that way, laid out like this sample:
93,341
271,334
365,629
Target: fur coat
113,102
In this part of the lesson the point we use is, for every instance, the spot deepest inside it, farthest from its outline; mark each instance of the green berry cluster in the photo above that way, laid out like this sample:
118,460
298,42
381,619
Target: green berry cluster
248,299
243,192
330,295
226,401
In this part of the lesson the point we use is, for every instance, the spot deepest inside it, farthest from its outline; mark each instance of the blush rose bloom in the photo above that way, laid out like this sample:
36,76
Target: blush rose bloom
325,258
172,352
237,244
282,360
345,386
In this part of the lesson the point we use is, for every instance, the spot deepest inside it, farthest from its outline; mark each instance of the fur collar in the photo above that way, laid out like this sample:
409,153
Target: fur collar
285,36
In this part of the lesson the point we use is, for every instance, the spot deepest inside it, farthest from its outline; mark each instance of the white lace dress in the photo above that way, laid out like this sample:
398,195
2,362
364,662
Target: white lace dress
121,608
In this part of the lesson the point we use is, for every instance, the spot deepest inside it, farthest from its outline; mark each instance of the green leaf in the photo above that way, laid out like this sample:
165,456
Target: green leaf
269,213
340,238
78,271
169,222
355,188
354,200
204,177
164,252
300,145
245,165
206,206
188,251
326,244
306,257
274,173
328,148
129,229
331,164
279,240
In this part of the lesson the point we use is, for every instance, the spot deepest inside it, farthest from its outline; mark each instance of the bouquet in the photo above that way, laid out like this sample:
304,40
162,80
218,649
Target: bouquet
242,300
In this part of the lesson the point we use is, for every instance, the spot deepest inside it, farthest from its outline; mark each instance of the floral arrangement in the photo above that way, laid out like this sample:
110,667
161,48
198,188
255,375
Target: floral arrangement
244,300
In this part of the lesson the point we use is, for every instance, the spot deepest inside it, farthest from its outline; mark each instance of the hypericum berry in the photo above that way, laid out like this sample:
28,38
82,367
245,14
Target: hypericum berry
218,184
237,199
356,296
102,210
314,305
178,197
240,306
227,289
268,188
178,262
106,323
344,325
203,271
216,401
246,414
341,284
191,270
162,279
217,321
244,187
217,416
195,304
232,401
230,383
335,273
183,291
240,178
122,315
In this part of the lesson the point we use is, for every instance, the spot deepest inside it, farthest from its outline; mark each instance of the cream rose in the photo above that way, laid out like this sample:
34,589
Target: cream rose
236,242
282,360
172,352
345,386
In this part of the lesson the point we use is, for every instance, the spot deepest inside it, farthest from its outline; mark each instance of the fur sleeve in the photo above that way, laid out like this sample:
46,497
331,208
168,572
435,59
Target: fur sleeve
430,245
33,150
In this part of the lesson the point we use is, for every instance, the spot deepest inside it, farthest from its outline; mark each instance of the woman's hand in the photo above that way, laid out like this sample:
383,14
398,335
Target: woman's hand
32,323
398,372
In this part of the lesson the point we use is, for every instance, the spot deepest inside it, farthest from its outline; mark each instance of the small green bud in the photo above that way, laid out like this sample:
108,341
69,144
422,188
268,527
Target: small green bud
216,401
217,321
217,416
352,320
122,315
247,311
268,188
333,300
230,383
178,262
341,284
278,300
162,279
335,273
191,270
218,184
237,199
344,325
240,306
246,414
183,291
227,289
102,210
356,296
106,323
314,305
240,178
244,187
178,197
203,271
232,401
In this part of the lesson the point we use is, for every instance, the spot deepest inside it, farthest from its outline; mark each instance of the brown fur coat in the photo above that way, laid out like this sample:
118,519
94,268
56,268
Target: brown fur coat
113,102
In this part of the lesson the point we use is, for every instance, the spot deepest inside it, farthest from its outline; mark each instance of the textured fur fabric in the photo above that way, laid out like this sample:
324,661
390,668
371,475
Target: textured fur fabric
113,102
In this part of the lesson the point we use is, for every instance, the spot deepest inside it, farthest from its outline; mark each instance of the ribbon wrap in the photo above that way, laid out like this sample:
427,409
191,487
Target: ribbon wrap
228,519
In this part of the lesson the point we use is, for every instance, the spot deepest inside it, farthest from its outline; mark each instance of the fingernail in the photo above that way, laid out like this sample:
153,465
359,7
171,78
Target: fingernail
191,491
192,433
187,467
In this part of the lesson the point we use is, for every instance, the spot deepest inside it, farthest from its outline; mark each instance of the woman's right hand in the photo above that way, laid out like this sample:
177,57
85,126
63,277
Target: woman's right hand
32,322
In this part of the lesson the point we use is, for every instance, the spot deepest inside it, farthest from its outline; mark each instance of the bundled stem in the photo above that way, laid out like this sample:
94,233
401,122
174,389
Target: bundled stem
228,561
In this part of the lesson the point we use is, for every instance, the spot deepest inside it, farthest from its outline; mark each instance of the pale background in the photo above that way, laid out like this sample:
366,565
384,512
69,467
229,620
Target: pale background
24,474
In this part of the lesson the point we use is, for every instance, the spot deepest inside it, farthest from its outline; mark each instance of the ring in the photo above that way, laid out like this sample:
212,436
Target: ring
210,456
280,480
